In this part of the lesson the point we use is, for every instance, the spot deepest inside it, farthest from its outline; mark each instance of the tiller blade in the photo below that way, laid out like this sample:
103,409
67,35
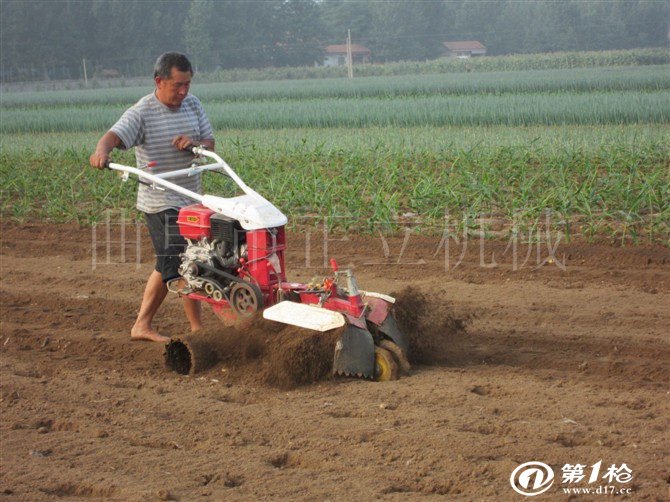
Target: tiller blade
355,353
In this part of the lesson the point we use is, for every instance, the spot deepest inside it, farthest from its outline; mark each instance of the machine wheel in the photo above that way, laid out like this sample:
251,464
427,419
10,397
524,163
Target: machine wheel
245,299
217,295
398,354
385,366
209,288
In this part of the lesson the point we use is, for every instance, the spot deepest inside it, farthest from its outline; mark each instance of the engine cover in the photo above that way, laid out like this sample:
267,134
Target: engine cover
194,222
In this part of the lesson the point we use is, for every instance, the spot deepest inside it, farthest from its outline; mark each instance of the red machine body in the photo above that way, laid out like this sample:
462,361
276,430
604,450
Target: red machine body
256,257
265,262
260,261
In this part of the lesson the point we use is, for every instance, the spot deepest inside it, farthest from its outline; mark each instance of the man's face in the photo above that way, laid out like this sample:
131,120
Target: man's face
172,91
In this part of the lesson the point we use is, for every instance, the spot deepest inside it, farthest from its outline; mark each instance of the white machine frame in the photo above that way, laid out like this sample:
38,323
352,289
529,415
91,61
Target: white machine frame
252,210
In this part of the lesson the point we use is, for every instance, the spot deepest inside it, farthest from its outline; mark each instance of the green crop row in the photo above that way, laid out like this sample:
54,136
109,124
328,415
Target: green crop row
580,80
630,107
471,110
370,140
618,187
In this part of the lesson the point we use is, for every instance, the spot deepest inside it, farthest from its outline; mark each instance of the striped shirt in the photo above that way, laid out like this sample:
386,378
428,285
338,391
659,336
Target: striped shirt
150,126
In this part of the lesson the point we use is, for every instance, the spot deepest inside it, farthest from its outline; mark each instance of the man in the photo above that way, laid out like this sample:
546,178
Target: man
162,127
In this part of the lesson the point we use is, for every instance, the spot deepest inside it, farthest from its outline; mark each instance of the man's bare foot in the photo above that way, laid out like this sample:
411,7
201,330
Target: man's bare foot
147,334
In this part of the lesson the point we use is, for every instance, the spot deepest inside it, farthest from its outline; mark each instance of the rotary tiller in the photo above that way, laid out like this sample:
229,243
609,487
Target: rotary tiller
234,261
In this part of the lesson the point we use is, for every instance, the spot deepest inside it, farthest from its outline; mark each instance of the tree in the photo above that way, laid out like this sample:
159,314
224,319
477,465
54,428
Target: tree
509,33
476,20
128,35
198,33
338,16
297,37
406,30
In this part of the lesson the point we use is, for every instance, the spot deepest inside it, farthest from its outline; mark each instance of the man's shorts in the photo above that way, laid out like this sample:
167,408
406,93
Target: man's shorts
167,242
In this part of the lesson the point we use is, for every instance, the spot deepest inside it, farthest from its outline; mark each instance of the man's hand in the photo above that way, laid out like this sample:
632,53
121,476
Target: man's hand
99,160
107,143
183,142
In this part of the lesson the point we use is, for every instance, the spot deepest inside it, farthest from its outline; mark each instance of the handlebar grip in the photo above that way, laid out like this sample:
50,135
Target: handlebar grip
197,148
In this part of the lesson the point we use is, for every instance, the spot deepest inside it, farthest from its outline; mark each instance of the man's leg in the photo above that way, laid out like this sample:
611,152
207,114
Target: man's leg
168,245
155,290
154,294
192,309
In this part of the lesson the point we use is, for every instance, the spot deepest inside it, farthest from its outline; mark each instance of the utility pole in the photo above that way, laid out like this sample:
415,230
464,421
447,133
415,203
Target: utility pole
350,63
83,61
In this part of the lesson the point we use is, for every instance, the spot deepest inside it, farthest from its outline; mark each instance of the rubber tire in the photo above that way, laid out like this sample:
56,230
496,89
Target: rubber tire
386,368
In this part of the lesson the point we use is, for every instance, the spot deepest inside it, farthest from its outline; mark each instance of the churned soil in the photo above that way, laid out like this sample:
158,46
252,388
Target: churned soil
558,353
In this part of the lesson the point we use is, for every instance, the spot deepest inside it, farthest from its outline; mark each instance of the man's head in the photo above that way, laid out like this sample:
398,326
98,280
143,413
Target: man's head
172,75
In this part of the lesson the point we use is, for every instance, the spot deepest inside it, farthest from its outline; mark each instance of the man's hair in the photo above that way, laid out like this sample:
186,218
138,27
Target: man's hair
169,60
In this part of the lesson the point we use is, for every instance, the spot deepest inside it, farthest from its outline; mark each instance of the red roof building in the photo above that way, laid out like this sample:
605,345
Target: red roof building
336,55
465,49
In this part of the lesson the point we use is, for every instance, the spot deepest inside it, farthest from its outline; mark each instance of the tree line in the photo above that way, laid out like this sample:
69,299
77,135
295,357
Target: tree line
50,40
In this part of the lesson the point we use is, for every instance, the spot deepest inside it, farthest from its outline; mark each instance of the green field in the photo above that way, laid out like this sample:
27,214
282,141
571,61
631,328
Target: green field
614,95
587,146
578,80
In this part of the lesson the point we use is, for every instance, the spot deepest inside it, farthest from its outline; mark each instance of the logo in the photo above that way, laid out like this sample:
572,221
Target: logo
192,219
532,478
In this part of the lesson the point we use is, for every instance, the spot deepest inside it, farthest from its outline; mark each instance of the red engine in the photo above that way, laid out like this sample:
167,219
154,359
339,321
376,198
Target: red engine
228,266
194,222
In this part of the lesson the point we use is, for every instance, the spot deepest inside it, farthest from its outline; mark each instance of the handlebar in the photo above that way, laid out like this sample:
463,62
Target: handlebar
251,209
161,179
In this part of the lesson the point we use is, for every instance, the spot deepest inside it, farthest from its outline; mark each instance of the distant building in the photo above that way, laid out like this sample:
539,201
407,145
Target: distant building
465,49
336,55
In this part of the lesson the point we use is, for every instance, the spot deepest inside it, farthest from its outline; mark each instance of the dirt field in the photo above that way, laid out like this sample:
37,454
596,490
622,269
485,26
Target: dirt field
559,366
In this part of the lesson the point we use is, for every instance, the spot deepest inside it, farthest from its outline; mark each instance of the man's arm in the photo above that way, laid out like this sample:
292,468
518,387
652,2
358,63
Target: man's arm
107,143
204,128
